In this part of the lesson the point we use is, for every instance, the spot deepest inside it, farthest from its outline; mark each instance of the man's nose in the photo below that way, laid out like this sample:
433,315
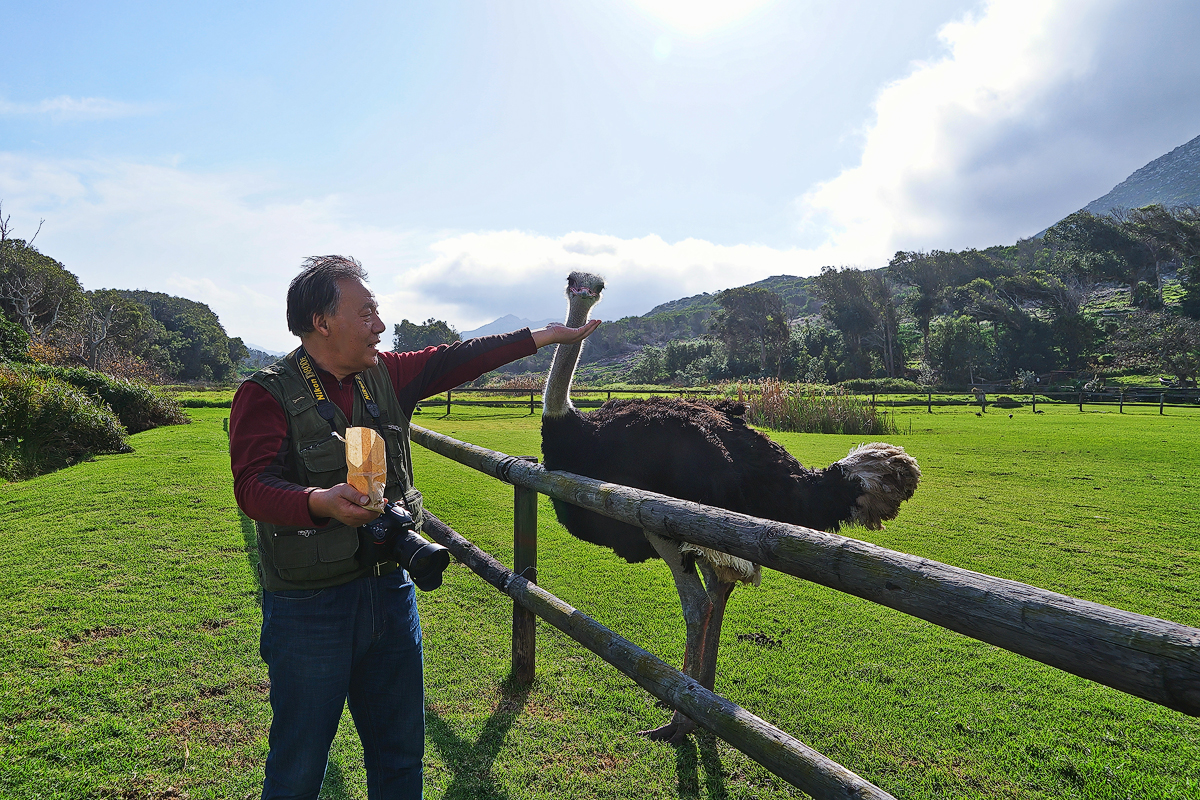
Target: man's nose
377,325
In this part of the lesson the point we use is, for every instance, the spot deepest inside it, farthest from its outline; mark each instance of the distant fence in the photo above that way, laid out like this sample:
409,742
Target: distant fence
583,398
590,398
1148,657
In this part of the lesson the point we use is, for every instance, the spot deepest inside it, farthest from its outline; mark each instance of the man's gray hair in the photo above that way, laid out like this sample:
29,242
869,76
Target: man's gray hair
315,290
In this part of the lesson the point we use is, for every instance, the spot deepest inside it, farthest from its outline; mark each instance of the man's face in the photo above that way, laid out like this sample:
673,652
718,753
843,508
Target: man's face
353,330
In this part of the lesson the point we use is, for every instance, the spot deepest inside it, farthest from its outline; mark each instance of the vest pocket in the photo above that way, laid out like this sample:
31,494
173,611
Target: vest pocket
324,456
317,556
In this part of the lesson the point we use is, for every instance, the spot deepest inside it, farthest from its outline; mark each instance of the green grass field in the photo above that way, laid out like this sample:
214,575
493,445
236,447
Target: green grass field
128,642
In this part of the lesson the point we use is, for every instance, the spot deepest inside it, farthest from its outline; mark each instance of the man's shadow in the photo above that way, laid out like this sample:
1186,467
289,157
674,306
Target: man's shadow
471,762
700,750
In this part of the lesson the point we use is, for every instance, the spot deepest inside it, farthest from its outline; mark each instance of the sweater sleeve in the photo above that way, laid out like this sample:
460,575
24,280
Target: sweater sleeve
258,445
258,426
427,372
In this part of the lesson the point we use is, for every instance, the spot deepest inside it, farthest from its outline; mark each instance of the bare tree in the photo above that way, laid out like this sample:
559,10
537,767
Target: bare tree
38,291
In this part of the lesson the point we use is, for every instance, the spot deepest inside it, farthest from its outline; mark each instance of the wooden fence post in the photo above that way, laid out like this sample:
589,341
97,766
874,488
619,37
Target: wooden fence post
1161,399
1121,393
929,403
1081,401
447,402
531,403
524,636
1034,398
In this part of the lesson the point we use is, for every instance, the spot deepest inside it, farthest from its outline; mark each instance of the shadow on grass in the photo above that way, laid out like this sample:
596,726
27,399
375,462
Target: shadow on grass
334,785
250,538
471,762
700,750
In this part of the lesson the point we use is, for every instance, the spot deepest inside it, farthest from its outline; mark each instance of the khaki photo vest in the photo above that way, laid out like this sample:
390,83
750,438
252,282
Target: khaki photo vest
305,558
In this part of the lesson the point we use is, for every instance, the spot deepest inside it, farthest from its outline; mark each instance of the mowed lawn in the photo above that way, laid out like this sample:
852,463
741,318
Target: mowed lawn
128,638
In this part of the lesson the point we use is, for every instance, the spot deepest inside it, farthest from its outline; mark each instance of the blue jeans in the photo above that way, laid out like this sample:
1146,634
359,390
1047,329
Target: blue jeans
359,641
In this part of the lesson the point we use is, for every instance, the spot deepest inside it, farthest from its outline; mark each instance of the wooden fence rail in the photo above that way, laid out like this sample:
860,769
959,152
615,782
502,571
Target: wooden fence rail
1148,657
782,754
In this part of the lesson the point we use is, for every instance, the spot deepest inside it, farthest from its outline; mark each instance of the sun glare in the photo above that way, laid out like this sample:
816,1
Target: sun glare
699,17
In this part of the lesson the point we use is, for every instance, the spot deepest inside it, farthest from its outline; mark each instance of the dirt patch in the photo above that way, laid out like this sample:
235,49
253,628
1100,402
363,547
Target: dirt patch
93,634
760,639
141,788
212,625
194,726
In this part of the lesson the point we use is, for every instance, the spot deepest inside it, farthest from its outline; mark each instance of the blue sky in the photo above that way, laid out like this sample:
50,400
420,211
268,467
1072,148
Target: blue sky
470,154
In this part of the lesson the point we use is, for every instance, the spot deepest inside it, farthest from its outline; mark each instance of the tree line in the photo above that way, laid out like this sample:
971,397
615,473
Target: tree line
49,316
1095,292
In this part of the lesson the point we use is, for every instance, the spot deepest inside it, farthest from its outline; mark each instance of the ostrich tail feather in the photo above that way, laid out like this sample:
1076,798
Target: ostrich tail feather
728,568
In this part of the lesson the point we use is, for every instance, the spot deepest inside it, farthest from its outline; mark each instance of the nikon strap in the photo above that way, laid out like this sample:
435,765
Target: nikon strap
325,407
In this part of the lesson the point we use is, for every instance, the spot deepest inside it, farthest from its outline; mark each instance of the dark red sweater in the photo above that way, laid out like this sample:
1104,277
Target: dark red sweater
258,431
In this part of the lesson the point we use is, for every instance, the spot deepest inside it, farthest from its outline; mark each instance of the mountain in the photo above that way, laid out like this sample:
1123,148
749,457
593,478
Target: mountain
508,322
265,350
1172,180
797,300
685,318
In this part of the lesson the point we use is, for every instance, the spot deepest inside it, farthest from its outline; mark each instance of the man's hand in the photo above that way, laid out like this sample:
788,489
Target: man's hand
557,333
343,503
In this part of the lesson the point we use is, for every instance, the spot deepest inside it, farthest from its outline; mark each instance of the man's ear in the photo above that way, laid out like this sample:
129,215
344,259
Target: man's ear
320,324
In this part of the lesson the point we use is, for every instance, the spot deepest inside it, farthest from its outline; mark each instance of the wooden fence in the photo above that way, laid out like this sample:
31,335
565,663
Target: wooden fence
1148,657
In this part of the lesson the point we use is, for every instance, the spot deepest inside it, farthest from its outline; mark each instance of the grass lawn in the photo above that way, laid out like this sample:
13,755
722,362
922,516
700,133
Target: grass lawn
128,643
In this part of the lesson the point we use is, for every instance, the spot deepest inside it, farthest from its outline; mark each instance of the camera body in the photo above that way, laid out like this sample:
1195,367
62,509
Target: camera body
394,538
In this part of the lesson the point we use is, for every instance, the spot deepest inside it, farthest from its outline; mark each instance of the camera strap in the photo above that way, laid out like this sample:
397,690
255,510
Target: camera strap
328,410
325,407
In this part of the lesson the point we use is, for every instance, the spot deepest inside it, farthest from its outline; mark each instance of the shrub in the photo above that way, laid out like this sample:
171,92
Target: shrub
1004,401
880,385
46,424
810,409
14,341
138,406
194,402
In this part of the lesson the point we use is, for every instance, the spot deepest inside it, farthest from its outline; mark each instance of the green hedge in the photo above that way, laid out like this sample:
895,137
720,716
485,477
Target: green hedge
46,424
137,405
192,402
880,385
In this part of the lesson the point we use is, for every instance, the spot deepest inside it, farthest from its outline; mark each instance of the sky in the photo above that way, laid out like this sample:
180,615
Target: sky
471,154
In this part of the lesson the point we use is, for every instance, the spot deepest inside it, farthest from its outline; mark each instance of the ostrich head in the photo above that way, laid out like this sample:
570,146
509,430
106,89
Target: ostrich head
583,292
888,477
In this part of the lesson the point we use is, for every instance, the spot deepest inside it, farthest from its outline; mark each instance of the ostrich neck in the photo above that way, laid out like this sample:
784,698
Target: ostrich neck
556,399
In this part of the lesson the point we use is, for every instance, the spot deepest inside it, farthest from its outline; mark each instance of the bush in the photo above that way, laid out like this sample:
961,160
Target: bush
880,385
193,402
14,341
1004,401
137,405
810,409
46,424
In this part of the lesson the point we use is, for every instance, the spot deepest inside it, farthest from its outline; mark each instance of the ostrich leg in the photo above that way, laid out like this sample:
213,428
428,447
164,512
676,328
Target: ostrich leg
703,610
718,595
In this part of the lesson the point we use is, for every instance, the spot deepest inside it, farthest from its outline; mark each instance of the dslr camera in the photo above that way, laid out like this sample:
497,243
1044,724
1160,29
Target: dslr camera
395,538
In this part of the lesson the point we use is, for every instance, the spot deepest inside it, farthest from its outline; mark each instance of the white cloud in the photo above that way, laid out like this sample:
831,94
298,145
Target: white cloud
73,108
1038,108
212,238
477,276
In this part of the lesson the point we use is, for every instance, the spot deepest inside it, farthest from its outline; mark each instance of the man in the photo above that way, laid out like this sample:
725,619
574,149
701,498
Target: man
336,625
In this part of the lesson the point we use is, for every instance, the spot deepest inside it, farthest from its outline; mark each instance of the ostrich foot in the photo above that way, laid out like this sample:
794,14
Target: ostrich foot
671,733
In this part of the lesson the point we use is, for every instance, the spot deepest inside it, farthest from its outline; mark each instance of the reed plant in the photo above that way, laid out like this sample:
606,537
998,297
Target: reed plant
804,408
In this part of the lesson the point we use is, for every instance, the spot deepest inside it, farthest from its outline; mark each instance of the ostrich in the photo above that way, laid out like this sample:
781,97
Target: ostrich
701,451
